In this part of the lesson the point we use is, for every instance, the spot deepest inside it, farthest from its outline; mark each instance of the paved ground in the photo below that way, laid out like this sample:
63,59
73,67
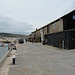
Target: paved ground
37,59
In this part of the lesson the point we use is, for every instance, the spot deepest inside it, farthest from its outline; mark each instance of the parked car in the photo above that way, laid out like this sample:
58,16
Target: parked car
21,41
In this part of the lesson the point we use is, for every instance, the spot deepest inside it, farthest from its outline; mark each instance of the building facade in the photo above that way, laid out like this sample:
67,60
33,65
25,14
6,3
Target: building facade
59,33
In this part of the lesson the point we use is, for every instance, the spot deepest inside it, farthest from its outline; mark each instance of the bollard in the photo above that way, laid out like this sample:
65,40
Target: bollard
13,60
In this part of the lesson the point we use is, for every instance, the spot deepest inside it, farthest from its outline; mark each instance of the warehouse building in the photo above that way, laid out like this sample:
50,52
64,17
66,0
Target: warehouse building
59,33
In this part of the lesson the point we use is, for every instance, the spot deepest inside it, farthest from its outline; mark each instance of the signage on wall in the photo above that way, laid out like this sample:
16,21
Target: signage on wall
74,17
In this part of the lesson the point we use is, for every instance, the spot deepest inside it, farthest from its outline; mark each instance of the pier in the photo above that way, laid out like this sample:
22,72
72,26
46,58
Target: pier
37,59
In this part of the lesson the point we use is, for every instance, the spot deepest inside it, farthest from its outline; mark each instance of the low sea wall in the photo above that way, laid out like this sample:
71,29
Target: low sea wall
4,58
7,53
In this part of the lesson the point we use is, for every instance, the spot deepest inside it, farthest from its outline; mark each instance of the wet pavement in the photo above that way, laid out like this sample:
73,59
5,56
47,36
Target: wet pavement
38,59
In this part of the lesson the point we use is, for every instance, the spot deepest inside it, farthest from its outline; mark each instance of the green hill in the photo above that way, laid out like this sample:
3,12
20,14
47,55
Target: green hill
11,35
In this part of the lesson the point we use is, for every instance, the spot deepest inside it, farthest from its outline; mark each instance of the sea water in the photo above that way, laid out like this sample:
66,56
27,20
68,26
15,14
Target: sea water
3,50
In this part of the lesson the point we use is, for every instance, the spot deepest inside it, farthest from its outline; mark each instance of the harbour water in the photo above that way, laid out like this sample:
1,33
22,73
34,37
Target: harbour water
3,50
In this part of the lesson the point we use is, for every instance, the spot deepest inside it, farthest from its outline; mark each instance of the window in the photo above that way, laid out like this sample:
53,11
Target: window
54,25
73,17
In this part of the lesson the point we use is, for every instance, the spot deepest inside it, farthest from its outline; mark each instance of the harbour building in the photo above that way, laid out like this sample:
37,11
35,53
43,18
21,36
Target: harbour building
59,33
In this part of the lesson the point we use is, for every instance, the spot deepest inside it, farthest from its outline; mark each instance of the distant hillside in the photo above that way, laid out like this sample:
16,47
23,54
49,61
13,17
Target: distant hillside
11,35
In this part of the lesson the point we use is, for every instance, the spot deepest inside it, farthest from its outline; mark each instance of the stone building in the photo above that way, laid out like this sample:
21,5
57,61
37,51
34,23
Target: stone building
59,33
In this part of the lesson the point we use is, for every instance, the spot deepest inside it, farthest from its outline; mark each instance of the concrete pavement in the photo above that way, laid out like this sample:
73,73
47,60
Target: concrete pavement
38,59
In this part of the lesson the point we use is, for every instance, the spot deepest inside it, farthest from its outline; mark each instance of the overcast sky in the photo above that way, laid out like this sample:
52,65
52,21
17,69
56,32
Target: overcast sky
24,16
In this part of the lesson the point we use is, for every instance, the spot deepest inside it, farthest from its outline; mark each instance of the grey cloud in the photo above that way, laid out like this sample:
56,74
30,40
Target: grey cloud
11,26
37,12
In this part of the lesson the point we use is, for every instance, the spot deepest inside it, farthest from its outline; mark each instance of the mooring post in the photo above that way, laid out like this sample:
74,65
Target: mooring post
13,60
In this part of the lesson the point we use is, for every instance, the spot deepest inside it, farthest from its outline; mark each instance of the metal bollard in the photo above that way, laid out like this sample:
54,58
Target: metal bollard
13,60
